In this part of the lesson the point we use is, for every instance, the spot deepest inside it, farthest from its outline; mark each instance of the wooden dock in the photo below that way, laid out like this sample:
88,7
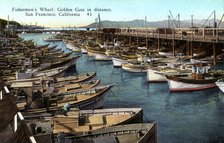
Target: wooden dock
189,39
214,35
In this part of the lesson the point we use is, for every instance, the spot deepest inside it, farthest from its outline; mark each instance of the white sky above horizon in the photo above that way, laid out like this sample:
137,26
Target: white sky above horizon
121,10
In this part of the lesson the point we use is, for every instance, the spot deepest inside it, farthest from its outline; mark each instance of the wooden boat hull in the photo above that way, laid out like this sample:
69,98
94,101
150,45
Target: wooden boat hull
73,48
102,57
41,75
139,133
134,68
165,53
92,102
94,51
83,51
117,62
98,56
91,54
76,79
96,119
71,62
178,84
155,76
137,114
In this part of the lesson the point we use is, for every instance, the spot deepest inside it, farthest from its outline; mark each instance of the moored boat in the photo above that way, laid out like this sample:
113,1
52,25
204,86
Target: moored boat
194,81
83,49
87,120
87,99
131,133
117,62
156,74
98,53
76,78
51,39
134,67
37,75
73,48
74,87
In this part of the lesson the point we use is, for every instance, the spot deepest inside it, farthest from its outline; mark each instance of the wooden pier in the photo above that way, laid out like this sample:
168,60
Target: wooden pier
210,39
187,34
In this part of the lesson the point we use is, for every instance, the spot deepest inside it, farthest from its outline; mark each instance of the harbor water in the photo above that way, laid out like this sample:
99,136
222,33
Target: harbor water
182,117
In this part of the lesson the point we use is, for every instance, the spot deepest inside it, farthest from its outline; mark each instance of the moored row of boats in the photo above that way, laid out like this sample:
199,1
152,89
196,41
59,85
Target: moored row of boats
59,108
182,73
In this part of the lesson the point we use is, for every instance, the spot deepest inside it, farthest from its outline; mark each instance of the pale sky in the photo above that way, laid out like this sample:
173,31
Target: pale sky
121,10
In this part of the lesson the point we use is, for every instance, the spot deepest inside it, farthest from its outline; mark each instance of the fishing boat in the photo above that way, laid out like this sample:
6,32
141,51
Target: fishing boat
87,99
134,67
83,49
98,53
58,88
131,133
76,78
68,87
156,74
66,61
50,99
199,80
37,75
165,52
81,121
73,48
117,62
122,58
51,39
59,80
220,84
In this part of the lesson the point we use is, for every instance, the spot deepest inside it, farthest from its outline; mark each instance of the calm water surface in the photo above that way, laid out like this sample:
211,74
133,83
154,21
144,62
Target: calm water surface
184,117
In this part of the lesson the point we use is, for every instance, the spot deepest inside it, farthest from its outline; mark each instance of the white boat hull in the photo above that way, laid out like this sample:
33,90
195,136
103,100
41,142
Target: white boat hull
83,51
137,70
118,62
102,57
166,53
73,48
91,54
220,84
155,76
181,86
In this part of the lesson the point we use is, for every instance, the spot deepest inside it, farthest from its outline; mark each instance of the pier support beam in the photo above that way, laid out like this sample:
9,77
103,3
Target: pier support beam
191,46
158,41
173,44
137,42
214,54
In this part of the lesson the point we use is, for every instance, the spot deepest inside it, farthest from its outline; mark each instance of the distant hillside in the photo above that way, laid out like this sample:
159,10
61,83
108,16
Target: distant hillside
3,23
157,24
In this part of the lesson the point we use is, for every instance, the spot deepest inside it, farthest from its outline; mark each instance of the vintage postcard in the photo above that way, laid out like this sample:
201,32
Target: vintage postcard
111,71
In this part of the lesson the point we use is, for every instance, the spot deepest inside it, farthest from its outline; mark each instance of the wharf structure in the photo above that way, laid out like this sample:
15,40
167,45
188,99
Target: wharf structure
188,40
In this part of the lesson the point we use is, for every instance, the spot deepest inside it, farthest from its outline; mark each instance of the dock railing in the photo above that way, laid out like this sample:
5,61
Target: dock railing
214,35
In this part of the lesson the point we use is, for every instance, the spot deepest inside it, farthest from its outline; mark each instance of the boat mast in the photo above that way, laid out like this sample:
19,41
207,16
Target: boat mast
99,24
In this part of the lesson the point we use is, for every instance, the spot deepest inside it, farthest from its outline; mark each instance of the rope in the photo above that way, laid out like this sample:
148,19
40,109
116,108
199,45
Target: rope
146,119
